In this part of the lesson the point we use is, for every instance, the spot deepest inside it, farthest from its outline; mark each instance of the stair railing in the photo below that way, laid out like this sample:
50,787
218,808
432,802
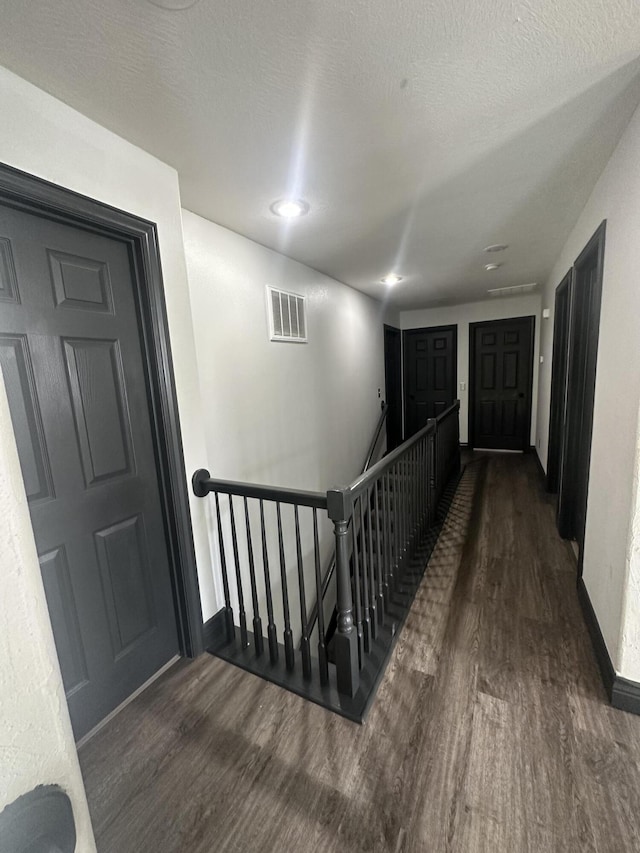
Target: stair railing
379,521
393,505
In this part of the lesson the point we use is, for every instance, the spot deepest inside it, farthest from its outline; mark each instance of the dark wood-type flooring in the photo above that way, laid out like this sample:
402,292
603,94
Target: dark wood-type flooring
490,732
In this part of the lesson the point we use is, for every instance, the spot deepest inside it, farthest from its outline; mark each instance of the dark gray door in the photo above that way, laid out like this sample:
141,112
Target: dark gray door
581,383
501,383
73,368
430,374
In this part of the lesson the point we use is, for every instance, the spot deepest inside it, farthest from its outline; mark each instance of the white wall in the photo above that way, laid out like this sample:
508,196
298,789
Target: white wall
36,741
477,312
616,198
298,415
41,135
44,137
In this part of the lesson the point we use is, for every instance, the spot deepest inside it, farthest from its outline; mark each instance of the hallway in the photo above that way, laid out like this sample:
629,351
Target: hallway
490,732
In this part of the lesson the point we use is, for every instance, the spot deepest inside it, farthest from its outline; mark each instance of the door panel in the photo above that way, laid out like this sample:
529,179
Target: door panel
501,355
71,357
430,364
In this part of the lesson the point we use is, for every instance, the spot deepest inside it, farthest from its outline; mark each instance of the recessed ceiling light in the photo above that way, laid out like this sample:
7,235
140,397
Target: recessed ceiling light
491,267
496,247
391,279
290,208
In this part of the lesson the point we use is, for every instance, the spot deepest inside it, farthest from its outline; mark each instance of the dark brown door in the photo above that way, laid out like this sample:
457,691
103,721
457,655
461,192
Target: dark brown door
430,370
583,353
559,381
393,385
501,383
73,369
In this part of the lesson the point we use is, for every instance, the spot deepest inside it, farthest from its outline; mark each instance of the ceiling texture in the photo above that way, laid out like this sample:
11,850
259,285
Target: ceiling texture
417,131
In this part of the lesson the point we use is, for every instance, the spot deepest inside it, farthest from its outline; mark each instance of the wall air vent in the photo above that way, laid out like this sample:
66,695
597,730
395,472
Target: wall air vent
287,316
514,290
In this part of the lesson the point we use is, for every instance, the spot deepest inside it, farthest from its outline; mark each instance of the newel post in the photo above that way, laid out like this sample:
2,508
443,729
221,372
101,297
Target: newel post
340,510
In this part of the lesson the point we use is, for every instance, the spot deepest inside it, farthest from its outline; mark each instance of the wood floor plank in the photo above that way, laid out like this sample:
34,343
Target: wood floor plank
490,731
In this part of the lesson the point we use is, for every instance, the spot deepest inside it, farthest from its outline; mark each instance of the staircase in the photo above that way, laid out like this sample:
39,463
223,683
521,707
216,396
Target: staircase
374,538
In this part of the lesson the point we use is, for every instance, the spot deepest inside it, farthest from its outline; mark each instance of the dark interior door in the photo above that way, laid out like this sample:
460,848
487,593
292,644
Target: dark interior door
73,368
430,370
393,385
561,326
585,326
501,383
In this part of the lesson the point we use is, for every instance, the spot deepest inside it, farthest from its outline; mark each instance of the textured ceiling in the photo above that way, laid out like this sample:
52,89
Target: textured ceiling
418,131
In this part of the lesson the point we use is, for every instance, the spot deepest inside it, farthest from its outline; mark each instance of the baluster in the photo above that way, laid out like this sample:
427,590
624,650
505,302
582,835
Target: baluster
305,649
402,514
323,662
271,628
396,523
358,597
388,535
372,578
424,511
415,467
366,622
418,488
432,474
393,535
288,635
409,504
424,484
257,622
244,640
228,612
379,522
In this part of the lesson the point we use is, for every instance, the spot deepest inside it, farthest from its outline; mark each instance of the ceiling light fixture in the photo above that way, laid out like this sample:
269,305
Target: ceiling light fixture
289,208
391,279
491,267
496,247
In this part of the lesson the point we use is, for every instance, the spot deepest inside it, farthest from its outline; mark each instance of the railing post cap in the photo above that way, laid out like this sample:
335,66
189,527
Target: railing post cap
339,503
197,482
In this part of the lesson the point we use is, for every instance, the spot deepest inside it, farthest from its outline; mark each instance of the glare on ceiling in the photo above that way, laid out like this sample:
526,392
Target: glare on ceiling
491,267
289,208
496,247
391,279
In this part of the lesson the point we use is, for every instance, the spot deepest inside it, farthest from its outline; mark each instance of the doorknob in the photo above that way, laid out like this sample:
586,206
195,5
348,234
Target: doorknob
521,394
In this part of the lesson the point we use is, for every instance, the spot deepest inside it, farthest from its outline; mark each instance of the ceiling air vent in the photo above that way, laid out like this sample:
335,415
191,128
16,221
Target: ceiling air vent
287,317
513,290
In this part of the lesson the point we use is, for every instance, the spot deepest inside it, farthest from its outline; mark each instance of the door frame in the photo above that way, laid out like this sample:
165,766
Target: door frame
473,327
25,192
566,493
449,327
559,387
396,332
